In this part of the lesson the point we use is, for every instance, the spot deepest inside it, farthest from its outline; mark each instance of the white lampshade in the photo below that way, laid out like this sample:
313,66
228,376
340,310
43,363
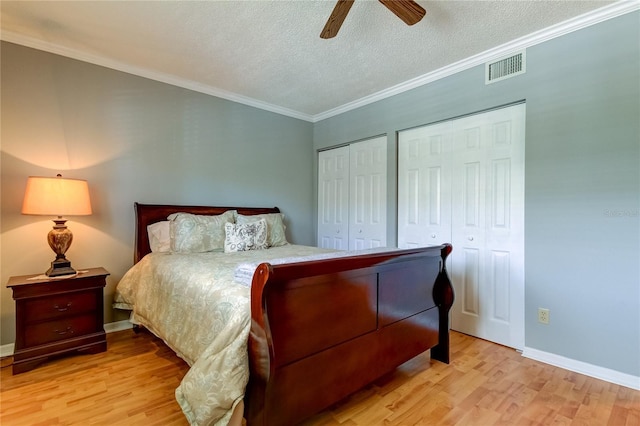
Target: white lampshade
56,196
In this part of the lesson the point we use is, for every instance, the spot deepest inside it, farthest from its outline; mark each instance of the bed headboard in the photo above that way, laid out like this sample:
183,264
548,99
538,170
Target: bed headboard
146,214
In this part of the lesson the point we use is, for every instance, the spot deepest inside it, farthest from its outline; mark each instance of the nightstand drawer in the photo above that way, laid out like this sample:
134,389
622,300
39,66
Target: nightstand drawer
66,328
63,305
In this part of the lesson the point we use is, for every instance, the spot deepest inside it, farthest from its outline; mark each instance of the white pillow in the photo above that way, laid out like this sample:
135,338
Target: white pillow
247,236
275,227
159,239
192,233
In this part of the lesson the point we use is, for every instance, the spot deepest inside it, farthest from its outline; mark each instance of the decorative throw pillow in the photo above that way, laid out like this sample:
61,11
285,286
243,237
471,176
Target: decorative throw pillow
191,233
247,236
275,227
159,239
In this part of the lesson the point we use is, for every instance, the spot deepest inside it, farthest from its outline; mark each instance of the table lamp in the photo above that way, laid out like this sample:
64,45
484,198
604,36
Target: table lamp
57,196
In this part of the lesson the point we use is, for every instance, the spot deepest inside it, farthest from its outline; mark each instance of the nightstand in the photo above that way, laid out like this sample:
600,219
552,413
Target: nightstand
57,315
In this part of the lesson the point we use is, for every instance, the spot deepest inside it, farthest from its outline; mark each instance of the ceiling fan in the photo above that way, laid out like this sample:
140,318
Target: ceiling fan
407,10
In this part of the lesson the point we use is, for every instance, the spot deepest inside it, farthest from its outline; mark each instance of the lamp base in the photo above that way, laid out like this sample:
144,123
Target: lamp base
59,239
60,267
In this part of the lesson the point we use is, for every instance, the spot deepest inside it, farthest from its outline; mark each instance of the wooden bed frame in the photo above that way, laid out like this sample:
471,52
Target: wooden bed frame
323,329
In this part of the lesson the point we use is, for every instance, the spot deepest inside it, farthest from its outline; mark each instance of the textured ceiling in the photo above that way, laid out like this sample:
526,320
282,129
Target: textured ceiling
269,52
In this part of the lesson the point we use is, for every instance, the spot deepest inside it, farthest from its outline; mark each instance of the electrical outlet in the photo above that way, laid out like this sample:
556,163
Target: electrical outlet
543,315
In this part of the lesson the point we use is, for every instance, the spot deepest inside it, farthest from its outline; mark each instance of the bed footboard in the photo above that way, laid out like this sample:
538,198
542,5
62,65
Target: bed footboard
324,329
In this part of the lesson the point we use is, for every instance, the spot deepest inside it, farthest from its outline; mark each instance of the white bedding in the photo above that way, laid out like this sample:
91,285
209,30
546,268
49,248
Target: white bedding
194,304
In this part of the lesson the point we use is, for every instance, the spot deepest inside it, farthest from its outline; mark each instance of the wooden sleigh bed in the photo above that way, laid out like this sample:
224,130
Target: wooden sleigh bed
322,329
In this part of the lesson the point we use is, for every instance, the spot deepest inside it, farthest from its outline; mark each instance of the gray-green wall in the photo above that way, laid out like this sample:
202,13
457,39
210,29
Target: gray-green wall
582,181
133,139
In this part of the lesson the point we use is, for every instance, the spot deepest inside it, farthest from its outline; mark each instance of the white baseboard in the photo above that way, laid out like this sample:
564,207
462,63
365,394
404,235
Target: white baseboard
602,373
7,350
117,326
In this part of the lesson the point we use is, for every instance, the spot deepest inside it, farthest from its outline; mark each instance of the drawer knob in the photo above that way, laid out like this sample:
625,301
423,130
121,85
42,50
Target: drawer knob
63,332
62,308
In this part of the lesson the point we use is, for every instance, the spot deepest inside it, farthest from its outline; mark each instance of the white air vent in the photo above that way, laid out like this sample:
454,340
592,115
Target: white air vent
505,68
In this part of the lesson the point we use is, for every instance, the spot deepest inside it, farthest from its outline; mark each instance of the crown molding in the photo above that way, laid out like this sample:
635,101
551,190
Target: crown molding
613,10
173,80
574,24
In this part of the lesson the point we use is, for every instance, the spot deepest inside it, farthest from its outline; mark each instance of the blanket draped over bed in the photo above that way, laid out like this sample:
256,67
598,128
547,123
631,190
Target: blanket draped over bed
199,305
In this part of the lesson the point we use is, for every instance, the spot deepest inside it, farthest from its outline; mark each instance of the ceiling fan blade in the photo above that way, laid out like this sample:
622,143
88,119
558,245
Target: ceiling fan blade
336,19
407,10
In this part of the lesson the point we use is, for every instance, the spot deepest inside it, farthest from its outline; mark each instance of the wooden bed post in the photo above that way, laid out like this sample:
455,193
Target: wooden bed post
259,352
443,296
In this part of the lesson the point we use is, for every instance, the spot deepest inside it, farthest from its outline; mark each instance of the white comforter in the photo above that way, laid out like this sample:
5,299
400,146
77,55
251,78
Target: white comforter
193,303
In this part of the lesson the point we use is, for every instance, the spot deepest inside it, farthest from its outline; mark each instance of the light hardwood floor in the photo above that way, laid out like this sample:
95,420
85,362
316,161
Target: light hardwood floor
133,383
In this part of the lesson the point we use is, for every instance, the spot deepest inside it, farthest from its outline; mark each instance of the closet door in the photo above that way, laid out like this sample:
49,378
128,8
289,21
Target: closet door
333,198
352,196
487,263
424,186
462,181
368,194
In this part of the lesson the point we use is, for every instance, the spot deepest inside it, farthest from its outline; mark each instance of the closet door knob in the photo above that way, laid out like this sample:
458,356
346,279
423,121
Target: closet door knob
433,235
470,238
